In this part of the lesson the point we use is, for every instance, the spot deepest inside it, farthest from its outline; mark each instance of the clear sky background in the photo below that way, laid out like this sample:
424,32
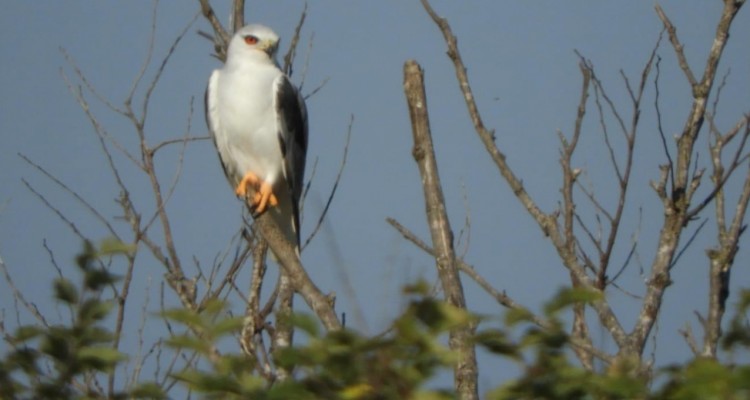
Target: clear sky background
521,63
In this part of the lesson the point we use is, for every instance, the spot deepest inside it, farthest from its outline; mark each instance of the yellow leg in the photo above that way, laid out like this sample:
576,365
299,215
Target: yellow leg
263,196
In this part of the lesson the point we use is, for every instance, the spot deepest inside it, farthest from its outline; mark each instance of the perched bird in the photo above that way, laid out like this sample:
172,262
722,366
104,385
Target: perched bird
258,121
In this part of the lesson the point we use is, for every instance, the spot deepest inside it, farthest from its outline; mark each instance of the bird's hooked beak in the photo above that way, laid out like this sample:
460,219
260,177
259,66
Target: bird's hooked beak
269,46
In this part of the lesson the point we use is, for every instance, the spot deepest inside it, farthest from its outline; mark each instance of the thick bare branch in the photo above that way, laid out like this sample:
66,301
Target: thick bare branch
251,324
290,262
238,14
465,372
221,36
283,335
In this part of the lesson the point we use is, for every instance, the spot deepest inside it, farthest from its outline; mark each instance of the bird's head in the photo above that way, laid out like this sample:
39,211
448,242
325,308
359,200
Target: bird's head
254,41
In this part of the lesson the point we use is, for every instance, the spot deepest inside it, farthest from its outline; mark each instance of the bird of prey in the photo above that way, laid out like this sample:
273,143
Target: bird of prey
258,121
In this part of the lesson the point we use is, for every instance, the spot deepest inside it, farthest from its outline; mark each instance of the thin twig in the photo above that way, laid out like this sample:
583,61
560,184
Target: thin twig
75,195
501,298
547,223
335,185
292,51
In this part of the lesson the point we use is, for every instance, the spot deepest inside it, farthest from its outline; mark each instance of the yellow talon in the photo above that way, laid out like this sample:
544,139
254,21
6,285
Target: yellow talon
263,196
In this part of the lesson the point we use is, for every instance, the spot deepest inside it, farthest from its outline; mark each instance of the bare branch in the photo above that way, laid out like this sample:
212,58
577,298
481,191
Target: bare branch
57,211
721,173
465,371
687,334
98,128
221,36
284,333
19,297
150,89
678,48
676,208
289,57
335,185
75,195
238,14
146,63
501,298
547,223
580,328
88,84
670,164
179,141
721,257
251,324
290,262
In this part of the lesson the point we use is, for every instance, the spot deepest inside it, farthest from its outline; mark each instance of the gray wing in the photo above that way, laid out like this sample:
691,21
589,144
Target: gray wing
292,114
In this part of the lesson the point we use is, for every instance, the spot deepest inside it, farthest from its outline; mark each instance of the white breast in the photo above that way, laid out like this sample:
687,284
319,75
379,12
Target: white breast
246,111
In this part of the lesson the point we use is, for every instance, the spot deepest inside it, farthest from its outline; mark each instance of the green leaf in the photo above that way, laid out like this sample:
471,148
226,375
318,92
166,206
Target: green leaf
743,305
497,342
432,395
207,382
514,316
183,316
96,334
214,307
112,246
420,288
570,296
251,383
25,333
98,278
189,342
738,334
440,316
25,359
94,310
290,389
56,343
86,256
226,326
305,322
148,390
65,291
100,358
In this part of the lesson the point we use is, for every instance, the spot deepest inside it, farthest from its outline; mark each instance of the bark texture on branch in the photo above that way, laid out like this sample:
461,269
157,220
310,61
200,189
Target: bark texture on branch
460,339
684,184
291,265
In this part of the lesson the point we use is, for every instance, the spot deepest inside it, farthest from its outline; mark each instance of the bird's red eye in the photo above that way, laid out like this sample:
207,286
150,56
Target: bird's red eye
251,40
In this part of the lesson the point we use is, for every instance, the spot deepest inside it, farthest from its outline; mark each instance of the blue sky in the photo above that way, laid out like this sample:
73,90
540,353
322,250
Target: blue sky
521,63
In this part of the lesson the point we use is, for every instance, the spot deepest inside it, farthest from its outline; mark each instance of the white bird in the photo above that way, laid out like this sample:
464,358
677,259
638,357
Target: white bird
258,121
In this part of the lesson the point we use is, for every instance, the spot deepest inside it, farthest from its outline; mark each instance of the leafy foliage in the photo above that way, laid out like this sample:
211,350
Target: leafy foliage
51,362
59,361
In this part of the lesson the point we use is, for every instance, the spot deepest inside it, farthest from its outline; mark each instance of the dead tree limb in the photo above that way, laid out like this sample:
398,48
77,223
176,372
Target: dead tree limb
460,339
683,184
547,222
